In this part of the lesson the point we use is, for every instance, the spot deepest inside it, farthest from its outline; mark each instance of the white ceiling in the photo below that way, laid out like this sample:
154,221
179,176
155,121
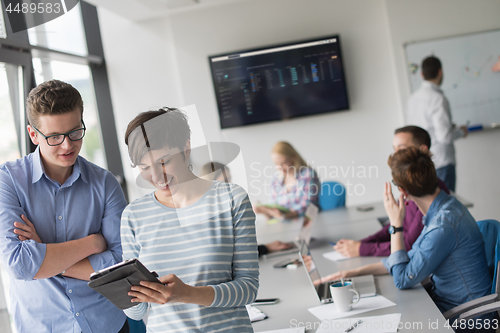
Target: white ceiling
141,10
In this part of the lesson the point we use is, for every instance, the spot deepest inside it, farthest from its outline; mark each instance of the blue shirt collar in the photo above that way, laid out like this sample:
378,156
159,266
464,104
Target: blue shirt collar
75,174
435,206
39,170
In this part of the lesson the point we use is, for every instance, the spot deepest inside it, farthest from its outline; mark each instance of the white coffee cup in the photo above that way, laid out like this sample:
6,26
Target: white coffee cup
342,295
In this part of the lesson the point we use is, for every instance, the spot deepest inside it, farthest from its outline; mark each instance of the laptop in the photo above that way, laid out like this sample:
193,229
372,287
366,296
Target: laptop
365,285
305,232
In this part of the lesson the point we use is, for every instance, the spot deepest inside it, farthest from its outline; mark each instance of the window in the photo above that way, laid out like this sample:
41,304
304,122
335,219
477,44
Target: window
64,34
15,71
10,104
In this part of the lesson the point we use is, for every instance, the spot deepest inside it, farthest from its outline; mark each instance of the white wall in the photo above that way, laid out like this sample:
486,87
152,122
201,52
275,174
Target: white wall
359,138
141,55
142,74
478,156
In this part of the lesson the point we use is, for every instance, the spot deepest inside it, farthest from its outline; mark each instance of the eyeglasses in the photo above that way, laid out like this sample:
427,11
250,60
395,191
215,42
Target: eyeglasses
57,139
395,183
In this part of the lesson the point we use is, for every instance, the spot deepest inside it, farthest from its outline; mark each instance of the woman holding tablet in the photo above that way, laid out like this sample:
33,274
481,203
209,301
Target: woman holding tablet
198,235
294,185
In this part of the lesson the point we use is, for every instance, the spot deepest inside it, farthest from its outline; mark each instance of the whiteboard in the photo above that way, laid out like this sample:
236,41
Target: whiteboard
471,71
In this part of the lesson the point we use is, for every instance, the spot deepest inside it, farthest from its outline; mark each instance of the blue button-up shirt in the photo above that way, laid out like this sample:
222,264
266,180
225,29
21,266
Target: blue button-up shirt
89,202
451,248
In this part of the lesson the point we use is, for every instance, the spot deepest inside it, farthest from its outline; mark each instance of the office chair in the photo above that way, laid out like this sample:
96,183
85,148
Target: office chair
332,195
490,303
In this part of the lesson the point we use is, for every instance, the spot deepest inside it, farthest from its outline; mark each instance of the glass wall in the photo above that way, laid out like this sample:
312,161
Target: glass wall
65,34
11,103
11,95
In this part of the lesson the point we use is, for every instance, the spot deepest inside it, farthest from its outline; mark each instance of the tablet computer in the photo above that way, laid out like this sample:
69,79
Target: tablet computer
115,282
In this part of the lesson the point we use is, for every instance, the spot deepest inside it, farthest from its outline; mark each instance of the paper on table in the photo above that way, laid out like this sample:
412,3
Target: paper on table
329,311
334,256
273,221
255,314
375,324
287,330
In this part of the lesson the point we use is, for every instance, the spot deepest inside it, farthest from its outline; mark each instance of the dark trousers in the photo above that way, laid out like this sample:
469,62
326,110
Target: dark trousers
448,174
125,328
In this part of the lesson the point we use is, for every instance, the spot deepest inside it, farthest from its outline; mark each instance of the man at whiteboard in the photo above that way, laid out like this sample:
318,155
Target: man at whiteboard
430,109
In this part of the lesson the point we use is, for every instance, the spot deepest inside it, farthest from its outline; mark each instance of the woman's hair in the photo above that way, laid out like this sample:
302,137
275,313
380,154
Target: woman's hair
413,170
52,97
287,150
214,169
153,130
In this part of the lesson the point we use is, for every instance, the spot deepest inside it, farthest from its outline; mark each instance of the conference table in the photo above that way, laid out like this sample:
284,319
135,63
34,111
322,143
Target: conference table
296,294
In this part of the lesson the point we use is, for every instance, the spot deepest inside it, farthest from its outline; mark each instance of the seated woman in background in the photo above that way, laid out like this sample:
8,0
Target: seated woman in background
198,235
294,185
450,248
220,172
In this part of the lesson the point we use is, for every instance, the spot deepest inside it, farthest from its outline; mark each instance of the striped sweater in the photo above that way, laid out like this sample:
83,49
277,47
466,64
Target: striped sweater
209,243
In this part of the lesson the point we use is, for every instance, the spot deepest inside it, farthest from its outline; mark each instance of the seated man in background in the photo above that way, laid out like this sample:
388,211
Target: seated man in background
220,172
450,248
379,244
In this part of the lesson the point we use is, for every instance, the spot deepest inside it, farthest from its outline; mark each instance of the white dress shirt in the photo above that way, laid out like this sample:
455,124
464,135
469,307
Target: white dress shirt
429,109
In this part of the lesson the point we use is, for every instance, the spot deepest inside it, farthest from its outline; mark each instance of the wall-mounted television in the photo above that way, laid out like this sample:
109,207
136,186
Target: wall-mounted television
279,82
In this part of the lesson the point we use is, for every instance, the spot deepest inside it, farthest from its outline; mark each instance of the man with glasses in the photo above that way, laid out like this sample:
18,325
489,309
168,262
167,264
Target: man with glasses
59,222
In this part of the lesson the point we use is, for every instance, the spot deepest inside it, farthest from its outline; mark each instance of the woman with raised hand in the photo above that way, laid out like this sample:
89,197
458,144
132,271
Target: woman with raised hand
198,235
450,248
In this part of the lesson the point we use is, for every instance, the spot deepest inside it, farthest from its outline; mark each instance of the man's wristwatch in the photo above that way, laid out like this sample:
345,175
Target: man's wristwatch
393,229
